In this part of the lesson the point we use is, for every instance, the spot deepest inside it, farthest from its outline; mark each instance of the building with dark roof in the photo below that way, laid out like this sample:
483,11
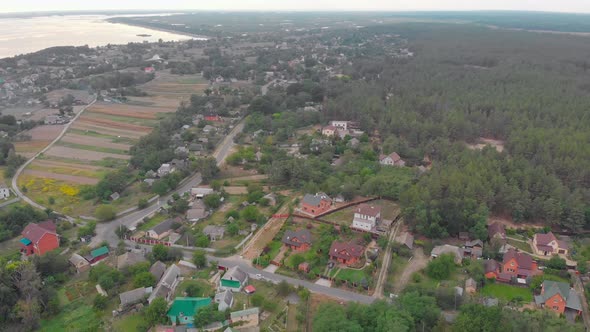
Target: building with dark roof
496,231
316,204
559,297
548,244
299,240
517,265
366,217
161,230
157,270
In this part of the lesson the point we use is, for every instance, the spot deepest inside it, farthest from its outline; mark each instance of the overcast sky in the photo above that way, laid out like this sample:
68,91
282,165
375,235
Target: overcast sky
392,5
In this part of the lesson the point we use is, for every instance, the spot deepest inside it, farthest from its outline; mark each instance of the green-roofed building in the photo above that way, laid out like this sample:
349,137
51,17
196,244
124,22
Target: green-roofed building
183,309
97,254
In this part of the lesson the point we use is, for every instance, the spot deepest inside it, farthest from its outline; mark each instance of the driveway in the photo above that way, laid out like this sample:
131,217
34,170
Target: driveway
271,268
324,282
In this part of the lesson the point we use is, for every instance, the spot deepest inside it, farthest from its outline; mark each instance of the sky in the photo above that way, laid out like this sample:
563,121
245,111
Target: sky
581,6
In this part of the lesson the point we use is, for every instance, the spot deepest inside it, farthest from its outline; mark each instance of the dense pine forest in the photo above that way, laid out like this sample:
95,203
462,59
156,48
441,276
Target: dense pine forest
530,90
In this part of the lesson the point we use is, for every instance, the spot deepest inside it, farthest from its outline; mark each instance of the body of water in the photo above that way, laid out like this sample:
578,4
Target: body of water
26,35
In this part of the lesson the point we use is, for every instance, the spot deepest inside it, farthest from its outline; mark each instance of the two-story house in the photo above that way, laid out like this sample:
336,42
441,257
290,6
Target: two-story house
517,265
39,238
346,253
392,159
548,244
329,131
559,297
366,217
299,240
316,204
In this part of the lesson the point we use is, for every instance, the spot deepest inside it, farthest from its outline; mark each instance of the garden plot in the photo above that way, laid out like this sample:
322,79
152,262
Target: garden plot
41,136
94,141
63,177
389,211
73,153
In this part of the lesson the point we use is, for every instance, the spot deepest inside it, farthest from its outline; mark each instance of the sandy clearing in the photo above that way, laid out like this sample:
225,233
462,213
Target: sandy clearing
59,164
65,152
62,177
107,130
418,262
509,223
114,124
94,141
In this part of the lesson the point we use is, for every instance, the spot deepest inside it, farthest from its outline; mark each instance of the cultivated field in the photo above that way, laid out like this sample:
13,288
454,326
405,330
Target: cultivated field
98,142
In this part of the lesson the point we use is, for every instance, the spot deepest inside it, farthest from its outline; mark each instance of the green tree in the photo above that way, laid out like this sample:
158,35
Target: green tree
105,212
212,201
200,258
100,302
156,312
441,267
160,252
233,229
144,279
250,213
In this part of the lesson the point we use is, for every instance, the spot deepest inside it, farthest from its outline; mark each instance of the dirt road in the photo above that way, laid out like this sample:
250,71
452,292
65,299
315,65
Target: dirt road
265,234
418,262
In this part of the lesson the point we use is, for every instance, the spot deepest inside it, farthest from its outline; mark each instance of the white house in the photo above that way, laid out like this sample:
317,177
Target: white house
4,192
366,217
166,169
392,159
340,124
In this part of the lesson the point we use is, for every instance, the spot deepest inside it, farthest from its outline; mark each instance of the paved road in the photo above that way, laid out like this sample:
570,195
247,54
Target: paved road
106,231
23,166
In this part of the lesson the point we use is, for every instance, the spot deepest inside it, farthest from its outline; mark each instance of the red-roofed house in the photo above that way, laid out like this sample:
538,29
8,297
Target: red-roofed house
329,131
39,238
496,231
392,159
346,253
517,265
492,269
366,217
548,244
213,118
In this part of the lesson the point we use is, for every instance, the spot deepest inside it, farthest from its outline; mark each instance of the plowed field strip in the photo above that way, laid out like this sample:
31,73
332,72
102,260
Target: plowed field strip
89,140
62,177
72,153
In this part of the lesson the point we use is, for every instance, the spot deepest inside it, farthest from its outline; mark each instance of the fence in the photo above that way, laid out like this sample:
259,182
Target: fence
150,241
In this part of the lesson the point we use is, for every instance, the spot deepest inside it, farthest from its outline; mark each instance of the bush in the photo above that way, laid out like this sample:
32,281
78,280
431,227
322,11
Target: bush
105,212
100,302
441,267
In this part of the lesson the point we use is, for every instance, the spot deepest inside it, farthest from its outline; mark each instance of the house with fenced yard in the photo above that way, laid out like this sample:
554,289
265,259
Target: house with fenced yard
234,280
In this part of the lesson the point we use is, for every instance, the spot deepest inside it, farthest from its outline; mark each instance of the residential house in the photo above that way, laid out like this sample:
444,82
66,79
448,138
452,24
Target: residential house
234,280
196,214
519,266
316,204
167,284
392,159
406,239
157,270
470,286
548,244
97,255
39,238
346,253
248,318
134,296
214,232
195,147
79,263
165,169
559,297
4,192
354,143
225,300
299,240
340,124
272,199
114,196
496,231
329,131
473,249
208,128
129,259
213,118
183,309
366,217
151,174
448,249
491,269
201,192
161,230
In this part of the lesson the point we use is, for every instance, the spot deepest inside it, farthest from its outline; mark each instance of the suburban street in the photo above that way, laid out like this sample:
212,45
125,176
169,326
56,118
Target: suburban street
106,231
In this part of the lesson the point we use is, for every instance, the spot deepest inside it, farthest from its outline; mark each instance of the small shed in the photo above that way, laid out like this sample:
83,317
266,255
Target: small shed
249,289
304,267
79,263
470,286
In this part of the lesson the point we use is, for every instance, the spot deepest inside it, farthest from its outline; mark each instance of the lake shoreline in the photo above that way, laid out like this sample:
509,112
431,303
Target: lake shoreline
146,26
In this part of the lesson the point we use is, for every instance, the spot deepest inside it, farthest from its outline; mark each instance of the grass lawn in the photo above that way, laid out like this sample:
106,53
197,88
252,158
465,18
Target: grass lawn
128,323
507,292
153,221
351,275
203,285
389,210
92,148
520,245
73,317
93,133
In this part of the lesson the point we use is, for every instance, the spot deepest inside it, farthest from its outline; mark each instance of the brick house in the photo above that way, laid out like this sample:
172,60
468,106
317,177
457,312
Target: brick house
559,297
299,240
548,244
366,217
517,265
392,159
492,269
329,131
316,204
346,253
39,238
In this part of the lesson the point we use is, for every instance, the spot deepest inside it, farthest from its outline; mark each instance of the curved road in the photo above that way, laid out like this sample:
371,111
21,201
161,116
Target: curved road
23,166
